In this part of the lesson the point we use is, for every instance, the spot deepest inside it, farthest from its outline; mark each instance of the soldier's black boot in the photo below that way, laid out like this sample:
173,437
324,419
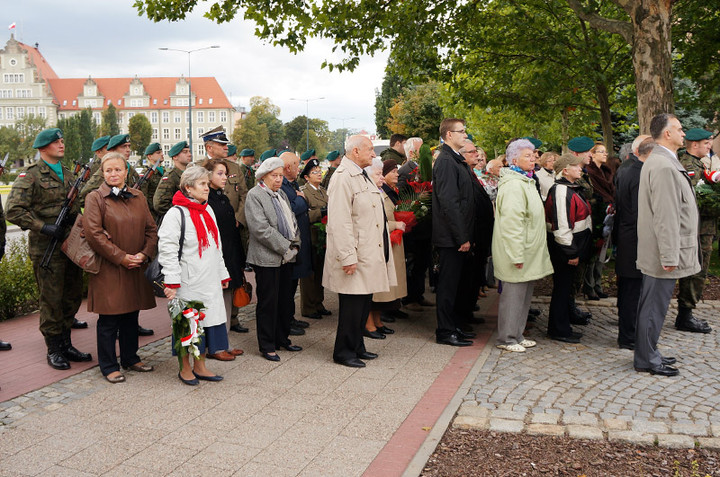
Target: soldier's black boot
55,356
71,353
685,321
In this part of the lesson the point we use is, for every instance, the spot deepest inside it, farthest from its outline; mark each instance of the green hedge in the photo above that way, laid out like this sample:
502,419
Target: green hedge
18,288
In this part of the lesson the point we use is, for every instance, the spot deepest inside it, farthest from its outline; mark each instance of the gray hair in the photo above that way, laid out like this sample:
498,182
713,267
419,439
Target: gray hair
354,141
515,148
466,142
377,163
410,145
191,175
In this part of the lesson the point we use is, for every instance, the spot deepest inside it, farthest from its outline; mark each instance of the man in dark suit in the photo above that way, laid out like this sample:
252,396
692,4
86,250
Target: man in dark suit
453,226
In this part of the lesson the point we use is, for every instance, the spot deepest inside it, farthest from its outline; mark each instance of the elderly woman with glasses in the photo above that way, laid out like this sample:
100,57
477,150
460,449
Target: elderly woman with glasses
519,244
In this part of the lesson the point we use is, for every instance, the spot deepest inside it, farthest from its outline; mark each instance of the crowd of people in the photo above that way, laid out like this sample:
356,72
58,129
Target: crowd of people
518,218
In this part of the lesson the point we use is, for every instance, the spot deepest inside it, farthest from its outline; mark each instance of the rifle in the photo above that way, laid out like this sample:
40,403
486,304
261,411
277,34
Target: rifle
2,164
146,176
65,210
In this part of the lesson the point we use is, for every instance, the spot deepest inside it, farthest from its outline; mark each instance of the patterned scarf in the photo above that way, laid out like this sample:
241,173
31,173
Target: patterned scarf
196,210
529,173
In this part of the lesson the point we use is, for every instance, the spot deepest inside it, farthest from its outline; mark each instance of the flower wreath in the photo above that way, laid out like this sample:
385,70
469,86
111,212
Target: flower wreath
187,328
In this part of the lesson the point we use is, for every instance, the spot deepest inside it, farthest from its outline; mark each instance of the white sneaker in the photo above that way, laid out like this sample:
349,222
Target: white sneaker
515,348
528,343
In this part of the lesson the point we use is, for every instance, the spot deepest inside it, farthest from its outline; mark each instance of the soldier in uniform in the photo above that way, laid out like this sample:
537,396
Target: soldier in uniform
99,148
121,144
334,159
170,182
311,289
267,154
34,203
690,289
247,159
154,155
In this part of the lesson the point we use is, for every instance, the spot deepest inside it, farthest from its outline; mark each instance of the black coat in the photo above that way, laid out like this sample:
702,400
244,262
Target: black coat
453,200
303,263
484,218
233,253
627,183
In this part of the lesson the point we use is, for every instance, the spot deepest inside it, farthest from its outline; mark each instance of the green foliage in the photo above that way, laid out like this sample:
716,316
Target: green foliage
18,288
250,133
392,87
79,131
18,139
140,131
337,140
417,112
296,133
109,126
425,163
261,128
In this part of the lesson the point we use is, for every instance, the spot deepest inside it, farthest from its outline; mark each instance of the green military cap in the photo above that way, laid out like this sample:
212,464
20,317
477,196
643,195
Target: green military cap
177,148
307,154
267,154
232,150
535,141
580,144
697,134
46,137
470,137
118,140
247,152
332,155
281,151
152,148
99,143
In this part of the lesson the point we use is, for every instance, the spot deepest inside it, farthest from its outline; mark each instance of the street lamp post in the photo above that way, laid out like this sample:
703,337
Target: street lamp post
190,87
307,117
343,126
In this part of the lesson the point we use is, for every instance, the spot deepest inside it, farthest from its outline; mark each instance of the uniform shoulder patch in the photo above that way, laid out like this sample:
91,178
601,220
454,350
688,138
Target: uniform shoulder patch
165,178
22,174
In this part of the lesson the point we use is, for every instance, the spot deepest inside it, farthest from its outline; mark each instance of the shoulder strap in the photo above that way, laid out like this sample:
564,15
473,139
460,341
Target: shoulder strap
182,230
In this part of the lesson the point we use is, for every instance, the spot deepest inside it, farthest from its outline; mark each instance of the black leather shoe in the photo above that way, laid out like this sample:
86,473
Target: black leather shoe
77,324
5,346
367,355
398,314
296,331
271,357
385,330
534,311
239,329
466,335
189,382
662,370
351,363
74,354
693,325
531,318
57,360
669,360
299,324
453,340
314,316
324,311
208,378
630,346
576,334
565,339
292,347
387,318
579,320
376,335
145,331
601,294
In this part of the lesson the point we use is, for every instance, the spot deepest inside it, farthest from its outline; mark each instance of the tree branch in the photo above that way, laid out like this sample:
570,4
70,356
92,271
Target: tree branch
618,27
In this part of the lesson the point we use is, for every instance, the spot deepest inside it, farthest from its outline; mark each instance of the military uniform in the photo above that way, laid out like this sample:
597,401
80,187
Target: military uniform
148,189
236,190
332,155
169,184
3,231
311,289
248,174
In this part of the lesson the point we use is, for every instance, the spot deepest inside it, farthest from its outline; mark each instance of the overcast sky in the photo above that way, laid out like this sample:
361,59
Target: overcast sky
80,38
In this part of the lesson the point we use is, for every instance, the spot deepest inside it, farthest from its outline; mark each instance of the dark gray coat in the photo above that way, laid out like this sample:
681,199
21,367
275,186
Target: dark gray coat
627,182
453,203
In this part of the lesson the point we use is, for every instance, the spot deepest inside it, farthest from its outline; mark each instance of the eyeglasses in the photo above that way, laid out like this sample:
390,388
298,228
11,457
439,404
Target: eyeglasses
458,131
315,172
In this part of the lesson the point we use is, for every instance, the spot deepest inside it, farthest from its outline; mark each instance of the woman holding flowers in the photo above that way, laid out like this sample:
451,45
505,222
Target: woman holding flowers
199,274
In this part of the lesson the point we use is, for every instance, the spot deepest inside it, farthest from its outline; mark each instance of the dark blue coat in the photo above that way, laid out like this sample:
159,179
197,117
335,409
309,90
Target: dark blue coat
303,264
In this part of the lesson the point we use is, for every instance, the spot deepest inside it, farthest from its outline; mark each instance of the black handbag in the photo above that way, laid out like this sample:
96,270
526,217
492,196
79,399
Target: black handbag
154,272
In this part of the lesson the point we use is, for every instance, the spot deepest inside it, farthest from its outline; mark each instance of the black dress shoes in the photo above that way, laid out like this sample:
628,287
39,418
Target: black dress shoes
669,360
208,378
453,340
387,318
299,324
534,311
296,331
385,330
351,363
465,335
630,346
292,347
693,325
324,311
314,316
367,355
576,334
248,268
398,314
239,328
5,346
77,324
565,339
581,320
145,331
376,335
601,294
271,357
662,370
189,382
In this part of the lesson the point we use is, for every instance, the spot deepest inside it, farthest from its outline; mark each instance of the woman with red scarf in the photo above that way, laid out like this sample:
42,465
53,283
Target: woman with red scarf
199,273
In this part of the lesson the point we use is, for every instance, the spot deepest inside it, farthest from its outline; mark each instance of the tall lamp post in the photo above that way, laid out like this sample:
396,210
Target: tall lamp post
307,117
343,126
189,86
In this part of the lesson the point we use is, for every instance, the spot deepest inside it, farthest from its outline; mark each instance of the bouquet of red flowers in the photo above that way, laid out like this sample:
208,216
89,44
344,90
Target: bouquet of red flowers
187,328
320,241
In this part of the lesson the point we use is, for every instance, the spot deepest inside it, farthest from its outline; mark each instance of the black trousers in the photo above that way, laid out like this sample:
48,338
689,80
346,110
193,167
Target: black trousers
107,332
418,256
454,283
562,301
354,310
276,300
628,296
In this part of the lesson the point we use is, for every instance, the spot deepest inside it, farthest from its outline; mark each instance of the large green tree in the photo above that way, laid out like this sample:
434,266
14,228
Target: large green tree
109,125
87,129
267,113
140,131
297,130
250,133
417,112
392,86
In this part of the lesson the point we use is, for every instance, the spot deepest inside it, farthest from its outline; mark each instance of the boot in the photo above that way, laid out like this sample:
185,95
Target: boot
685,321
55,356
579,317
70,352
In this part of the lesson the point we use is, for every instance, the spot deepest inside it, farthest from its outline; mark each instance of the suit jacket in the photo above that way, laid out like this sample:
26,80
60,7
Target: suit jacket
668,218
625,237
355,235
453,203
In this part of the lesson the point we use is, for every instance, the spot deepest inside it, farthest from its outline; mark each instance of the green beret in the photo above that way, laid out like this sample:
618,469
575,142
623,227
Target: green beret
46,137
535,141
267,154
307,154
247,152
332,155
281,151
697,134
309,167
232,150
580,144
99,143
118,140
470,137
152,148
177,148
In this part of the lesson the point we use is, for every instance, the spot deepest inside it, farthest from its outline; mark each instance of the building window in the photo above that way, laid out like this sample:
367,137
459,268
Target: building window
136,91
211,117
155,134
223,116
121,117
177,116
41,112
187,132
166,133
6,93
182,90
10,113
177,133
97,117
130,115
153,116
13,62
20,112
166,116
136,103
181,102
200,131
187,116
23,93
209,100
1,113
14,78
31,110
91,103
200,115
201,150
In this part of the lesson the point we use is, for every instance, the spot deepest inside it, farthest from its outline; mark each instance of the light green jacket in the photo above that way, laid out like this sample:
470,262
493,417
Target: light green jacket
519,235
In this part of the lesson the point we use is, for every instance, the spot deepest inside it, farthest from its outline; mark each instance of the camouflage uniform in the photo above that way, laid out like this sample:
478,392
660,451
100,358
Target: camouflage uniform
3,230
690,289
249,175
148,189
326,180
97,178
169,184
236,190
35,200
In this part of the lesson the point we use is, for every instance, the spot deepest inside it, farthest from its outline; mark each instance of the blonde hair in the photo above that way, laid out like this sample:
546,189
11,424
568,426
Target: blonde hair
111,156
546,157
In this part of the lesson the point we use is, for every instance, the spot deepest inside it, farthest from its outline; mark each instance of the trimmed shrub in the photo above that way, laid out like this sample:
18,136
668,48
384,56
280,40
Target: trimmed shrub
18,288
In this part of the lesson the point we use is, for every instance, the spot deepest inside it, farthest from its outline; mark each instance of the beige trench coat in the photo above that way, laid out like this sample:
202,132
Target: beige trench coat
355,235
398,253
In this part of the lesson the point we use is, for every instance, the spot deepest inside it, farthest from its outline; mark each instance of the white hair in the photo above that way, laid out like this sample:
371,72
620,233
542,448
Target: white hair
512,153
354,141
191,175
465,143
410,145
377,163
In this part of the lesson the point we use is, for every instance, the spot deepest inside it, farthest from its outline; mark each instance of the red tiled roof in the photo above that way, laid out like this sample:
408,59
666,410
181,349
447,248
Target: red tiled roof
46,71
68,89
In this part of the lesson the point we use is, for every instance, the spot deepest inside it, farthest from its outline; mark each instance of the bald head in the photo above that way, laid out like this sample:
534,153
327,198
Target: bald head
292,165
636,143
494,166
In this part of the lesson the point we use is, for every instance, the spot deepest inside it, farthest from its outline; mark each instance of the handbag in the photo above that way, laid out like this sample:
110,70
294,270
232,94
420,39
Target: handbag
154,273
79,251
243,294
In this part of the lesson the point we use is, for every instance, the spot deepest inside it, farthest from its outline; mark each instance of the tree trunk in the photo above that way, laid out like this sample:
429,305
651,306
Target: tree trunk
564,129
605,119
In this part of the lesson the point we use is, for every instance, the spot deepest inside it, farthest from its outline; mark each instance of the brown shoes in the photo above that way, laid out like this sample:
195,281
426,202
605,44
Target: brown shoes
221,356
140,367
235,351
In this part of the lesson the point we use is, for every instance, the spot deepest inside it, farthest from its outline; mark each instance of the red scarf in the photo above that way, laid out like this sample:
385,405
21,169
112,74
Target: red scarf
196,210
